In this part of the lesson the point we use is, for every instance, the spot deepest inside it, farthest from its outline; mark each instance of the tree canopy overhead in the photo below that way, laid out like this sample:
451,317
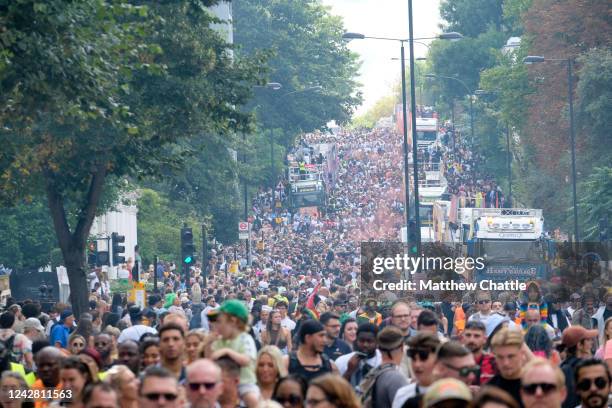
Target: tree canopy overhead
310,60
94,91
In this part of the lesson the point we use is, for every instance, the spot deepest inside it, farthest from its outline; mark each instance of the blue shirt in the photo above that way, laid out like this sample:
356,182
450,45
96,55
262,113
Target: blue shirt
60,333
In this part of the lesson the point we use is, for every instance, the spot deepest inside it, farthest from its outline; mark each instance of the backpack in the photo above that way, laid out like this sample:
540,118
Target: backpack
9,344
368,384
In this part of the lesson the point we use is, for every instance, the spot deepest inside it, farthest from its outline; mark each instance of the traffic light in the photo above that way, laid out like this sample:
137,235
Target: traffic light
412,237
118,249
187,247
92,253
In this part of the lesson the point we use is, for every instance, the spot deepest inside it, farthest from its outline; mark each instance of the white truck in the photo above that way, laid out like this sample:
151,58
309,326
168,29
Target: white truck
427,131
511,241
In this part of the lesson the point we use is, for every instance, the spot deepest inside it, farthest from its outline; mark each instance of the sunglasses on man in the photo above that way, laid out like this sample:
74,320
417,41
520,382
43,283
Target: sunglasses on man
422,354
156,396
531,389
465,371
197,386
585,385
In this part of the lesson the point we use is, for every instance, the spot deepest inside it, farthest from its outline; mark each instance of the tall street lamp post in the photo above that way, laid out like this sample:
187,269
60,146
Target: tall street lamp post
534,59
410,40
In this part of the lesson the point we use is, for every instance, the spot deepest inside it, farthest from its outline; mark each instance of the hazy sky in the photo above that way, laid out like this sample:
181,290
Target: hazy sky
384,18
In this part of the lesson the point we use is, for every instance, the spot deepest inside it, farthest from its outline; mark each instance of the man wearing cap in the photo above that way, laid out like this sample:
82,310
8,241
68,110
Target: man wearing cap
60,332
579,346
447,392
33,329
137,329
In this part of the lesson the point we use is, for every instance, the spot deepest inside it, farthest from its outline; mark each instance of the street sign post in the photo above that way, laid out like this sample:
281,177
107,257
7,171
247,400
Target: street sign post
243,230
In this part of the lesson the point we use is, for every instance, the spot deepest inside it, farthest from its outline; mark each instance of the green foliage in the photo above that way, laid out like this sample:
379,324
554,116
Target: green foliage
382,108
509,82
308,51
595,200
464,60
27,239
471,17
95,91
160,220
594,97
513,13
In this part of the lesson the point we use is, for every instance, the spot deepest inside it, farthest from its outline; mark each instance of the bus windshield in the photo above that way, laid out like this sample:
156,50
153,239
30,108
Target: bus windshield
426,136
511,251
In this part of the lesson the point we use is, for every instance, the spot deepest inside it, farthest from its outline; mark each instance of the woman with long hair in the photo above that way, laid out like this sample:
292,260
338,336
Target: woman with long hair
348,331
75,375
117,304
109,319
607,335
85,329
193,340
269,369
149,352
275,334
122,379
331,391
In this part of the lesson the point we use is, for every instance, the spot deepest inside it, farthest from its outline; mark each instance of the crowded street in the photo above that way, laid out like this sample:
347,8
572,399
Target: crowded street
305,204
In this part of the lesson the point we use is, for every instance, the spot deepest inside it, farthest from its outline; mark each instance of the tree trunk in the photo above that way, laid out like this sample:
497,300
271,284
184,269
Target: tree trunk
73,243
77,276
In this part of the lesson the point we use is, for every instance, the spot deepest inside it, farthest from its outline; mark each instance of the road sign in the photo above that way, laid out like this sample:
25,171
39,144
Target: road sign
243,226
243,235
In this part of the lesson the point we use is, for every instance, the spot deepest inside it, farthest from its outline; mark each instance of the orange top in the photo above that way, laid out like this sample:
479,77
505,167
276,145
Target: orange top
459,320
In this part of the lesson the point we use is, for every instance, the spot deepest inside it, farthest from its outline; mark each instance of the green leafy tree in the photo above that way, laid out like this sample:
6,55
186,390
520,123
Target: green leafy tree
596,200
471,17
27,238
95,91
594,97
382,108
308,52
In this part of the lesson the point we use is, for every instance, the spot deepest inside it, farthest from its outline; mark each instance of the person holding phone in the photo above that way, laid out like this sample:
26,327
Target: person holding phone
355,365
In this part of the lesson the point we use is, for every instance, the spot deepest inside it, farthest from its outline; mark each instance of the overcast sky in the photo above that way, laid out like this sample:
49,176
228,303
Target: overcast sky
384,18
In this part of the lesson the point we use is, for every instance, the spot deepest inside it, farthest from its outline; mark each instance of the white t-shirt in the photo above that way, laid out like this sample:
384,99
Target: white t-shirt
342,361
135,332
287,323
406,392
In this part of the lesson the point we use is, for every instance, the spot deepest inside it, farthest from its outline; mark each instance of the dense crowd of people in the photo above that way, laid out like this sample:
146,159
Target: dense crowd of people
289,328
